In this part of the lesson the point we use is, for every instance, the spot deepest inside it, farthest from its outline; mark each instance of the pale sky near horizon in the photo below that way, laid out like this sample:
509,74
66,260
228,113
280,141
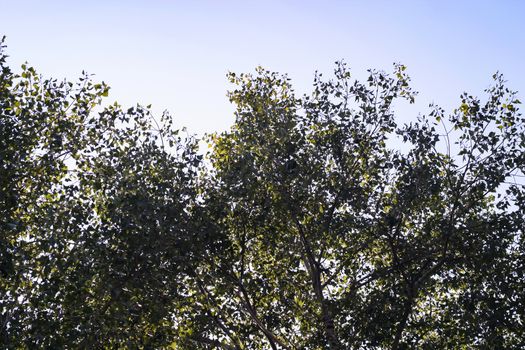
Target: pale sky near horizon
175,54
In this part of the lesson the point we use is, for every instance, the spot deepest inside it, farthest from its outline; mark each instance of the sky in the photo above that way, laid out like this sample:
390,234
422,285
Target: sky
175,54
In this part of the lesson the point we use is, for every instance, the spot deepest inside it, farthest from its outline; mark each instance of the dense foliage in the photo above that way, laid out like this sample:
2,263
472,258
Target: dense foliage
316,222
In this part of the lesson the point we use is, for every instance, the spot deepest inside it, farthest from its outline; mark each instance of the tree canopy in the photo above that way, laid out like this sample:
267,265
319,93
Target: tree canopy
315,222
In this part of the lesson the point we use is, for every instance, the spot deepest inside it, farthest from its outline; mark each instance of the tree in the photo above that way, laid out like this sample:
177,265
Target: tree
340,241
315,222
95,225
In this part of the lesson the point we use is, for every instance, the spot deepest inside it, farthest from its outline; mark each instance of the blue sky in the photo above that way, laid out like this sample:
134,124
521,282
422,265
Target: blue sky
175,54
